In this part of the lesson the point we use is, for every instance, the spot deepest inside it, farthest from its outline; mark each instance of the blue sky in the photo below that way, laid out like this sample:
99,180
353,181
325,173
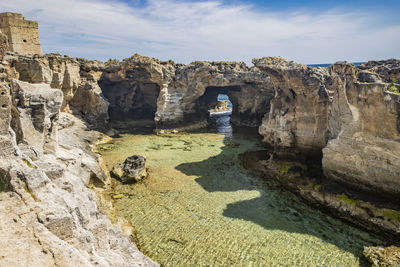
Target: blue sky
187,30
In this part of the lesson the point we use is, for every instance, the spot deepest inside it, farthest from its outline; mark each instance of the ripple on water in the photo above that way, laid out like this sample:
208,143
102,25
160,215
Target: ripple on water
200,207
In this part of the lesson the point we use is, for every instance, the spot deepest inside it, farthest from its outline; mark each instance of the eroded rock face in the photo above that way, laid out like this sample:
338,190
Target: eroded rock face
176,95
298,119
39,107
388,70
197,85
49,216
383,257
133,86
6,142
3,45
343,111
364,150
76,78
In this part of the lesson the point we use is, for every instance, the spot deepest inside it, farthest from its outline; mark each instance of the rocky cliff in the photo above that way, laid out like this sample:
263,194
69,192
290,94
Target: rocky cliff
297,122
49,216
343,112
342,116
175,95
364,148
76,78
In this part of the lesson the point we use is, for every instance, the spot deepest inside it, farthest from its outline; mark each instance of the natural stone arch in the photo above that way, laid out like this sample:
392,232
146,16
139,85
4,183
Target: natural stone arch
185,101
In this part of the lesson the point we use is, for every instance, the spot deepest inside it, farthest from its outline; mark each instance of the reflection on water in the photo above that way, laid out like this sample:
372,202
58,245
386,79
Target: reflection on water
199,207
220,124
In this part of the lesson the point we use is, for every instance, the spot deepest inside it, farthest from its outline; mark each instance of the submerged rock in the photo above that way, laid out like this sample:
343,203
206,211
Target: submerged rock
132,170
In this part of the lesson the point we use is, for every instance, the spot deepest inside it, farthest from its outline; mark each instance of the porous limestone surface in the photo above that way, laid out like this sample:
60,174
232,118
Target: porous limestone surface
343,114
49,215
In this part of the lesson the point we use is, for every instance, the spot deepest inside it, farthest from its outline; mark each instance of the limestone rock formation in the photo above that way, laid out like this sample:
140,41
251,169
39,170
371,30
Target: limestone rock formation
364,149
222,106
344,112
6,136
298,119
3,45
133,86
388,70
176,95
383,257
38,108
49,216
133,169
77,80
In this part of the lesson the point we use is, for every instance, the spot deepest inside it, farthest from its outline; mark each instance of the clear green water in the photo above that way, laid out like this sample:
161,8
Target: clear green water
199,207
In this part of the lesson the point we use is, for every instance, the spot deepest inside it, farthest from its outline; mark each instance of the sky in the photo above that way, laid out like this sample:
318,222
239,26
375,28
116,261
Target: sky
308,32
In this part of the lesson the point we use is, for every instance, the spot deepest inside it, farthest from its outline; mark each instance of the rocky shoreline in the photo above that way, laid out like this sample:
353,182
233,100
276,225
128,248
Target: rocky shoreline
55,107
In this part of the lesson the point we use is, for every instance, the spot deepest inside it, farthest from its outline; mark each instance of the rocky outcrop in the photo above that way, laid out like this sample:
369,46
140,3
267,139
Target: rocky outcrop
76,78
176,95
3,45
388,70
364,149
49,215
196,87
297,122
383,257
133,169
6,136
222,106
133,86
38,108
345,112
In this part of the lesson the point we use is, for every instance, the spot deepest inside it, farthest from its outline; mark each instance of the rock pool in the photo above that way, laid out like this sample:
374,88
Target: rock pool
199,207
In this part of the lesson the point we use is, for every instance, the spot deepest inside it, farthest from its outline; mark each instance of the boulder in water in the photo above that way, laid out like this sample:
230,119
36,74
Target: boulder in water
132,170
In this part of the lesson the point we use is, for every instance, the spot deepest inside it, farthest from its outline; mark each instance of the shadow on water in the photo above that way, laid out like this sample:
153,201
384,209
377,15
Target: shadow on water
275,208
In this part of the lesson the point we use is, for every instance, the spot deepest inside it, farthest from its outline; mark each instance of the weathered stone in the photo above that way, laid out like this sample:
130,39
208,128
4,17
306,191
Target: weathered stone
364,151
368,77
3,45
180,95
222,106
298,119
50,216
73,76
351,109
6,143
383,257
39,107
23,35
388,70
132,170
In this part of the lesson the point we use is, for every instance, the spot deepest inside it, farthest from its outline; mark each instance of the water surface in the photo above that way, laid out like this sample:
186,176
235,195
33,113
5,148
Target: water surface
199,207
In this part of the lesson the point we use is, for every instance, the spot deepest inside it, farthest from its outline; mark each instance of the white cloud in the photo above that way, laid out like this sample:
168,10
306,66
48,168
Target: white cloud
205,30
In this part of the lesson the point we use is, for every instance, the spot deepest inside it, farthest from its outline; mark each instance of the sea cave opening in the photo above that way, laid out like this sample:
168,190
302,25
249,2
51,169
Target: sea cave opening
216,106
220,116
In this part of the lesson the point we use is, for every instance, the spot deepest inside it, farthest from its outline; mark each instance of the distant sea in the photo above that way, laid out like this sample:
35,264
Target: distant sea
327,65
